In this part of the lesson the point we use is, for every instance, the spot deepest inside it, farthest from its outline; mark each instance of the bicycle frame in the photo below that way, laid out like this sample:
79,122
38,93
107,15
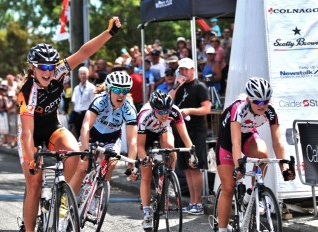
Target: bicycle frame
59,178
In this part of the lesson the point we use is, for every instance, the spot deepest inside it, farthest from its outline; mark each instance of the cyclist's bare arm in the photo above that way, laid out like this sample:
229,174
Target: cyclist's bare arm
92,46
88,122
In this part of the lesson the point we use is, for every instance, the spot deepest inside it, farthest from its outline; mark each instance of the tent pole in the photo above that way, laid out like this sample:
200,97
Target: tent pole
194,46
142,31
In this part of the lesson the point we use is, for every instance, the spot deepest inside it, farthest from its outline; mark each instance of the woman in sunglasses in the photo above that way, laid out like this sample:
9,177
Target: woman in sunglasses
238,134
154,125
38,100
104,119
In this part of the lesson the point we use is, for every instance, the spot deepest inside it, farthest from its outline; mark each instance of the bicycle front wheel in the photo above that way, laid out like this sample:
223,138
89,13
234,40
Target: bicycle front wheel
101,196
235,217
66,211
172,210
270,214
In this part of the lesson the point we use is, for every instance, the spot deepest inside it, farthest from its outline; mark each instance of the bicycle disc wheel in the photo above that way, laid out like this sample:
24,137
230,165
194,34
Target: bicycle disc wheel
172,210
270,216
66,214
235,217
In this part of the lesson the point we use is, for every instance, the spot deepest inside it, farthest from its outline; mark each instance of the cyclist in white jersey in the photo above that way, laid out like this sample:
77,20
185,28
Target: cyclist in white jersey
154,121
104,119
238,134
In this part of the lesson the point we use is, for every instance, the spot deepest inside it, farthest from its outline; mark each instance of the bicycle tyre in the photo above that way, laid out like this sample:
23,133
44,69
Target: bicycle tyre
235,217
272,215
104,190
172,210
66,214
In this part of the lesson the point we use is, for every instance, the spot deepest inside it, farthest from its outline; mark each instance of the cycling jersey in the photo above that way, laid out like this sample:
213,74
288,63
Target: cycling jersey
42,104
147,121
110,120
240,111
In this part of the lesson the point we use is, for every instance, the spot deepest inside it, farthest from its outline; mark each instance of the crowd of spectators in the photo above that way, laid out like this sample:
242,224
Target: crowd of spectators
213,53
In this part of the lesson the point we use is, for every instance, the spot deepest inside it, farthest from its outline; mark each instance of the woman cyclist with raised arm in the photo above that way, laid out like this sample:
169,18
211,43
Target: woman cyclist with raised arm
104,119
38,100
238,134
154,125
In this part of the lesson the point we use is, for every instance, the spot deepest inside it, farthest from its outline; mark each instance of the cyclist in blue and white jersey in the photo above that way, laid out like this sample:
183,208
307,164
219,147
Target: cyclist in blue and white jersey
104,119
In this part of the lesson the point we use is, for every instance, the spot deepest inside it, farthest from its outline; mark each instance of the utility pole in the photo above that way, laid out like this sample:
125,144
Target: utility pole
77,33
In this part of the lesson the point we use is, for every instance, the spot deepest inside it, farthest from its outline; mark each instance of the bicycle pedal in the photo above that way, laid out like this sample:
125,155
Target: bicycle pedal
93,221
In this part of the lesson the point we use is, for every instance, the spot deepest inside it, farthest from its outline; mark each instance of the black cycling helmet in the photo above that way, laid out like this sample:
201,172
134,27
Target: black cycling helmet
159,100
43,54
258,89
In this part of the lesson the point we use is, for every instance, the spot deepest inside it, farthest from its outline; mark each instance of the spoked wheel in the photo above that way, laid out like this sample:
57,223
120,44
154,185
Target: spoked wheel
172,210
66,214
96,210
101,197
236,215
270,214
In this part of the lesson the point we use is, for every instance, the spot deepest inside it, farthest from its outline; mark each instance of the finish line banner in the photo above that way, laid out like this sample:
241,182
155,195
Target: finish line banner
292,45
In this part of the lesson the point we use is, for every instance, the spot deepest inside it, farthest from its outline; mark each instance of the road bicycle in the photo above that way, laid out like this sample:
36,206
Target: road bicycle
261,212
58,207
166,199
94,195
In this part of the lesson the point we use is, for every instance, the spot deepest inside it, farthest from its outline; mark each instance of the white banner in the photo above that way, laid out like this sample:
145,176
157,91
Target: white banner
292,43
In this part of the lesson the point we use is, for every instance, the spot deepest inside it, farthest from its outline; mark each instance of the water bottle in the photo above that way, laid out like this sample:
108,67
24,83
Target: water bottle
247,196
46,196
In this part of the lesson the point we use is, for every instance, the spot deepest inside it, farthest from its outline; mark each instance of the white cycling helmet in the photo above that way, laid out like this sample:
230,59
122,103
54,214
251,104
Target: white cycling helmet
258,89
118,79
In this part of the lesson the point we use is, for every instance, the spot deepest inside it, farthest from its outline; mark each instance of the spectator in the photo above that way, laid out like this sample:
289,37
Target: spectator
191,96
212,71
4,125
186,53
100,72
82,97
137,87
172,62
181,43
12,109
226,44
66,96
158,67
220,56
215,28
150,78
169,81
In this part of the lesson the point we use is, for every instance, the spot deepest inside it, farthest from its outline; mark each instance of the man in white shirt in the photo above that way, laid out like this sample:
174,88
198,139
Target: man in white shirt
82,97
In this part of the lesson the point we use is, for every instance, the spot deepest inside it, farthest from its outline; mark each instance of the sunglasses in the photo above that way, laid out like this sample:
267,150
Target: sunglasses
120,91
260,103
45,67
162,112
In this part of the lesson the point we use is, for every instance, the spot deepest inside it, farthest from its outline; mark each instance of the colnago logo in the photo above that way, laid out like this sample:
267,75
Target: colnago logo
165,3
298,104
292,10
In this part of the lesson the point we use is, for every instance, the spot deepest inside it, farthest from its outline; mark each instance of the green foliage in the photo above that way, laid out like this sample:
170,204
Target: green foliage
26,23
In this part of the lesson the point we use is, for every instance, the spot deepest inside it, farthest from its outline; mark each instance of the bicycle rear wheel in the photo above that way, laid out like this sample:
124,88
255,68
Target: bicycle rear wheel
172,210
66,212
270,218
236,215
